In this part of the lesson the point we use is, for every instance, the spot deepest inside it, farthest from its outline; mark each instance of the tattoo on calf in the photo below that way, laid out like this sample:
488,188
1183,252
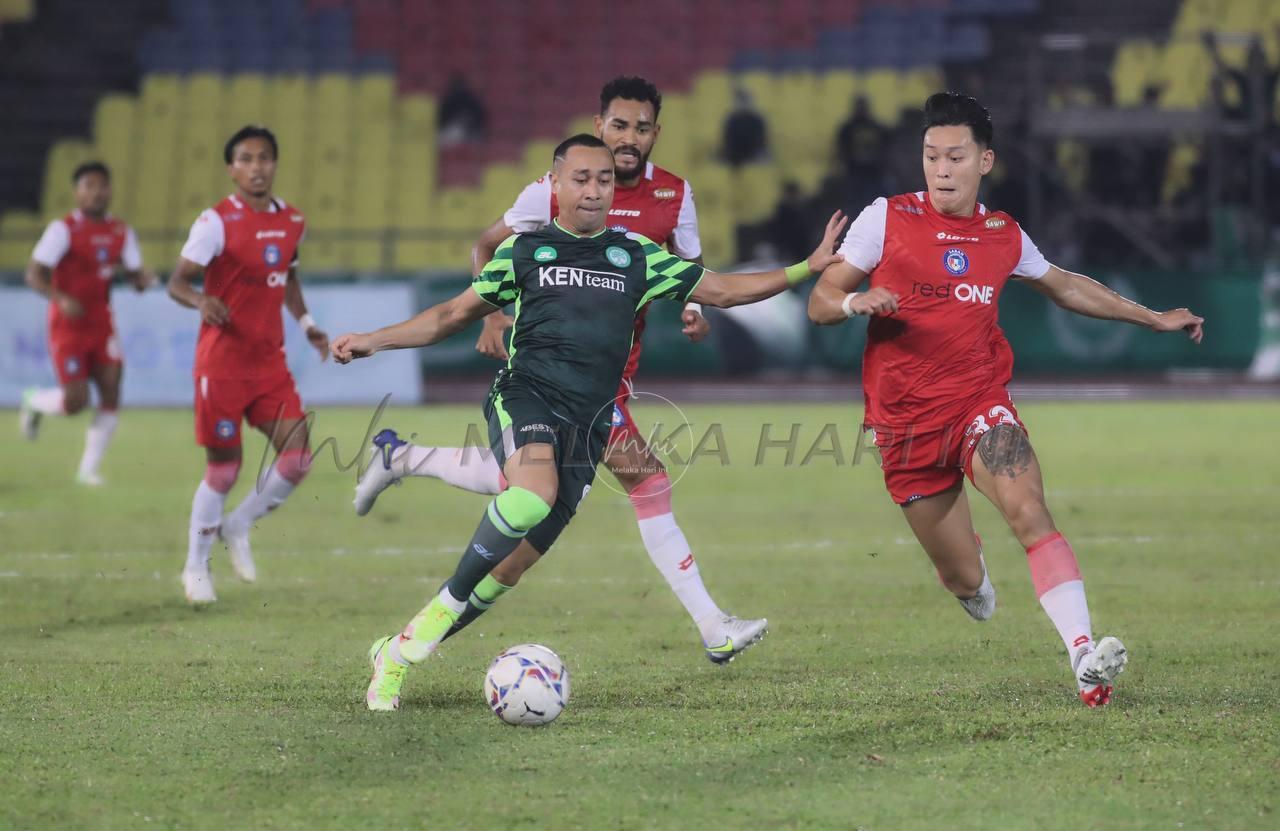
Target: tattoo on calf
1006,451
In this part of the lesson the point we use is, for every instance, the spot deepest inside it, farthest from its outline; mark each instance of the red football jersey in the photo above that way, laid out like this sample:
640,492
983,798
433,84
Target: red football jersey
84,255
660,207
246,256
944,345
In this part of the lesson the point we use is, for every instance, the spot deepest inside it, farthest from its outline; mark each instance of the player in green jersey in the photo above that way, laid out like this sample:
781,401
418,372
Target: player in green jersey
577,287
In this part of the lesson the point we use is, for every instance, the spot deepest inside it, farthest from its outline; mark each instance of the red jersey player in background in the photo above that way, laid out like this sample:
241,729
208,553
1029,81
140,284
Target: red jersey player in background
247,247
658,204
936,365
73,265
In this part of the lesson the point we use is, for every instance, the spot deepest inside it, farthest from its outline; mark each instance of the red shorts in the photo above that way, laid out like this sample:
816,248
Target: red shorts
221,404
76,354
920,464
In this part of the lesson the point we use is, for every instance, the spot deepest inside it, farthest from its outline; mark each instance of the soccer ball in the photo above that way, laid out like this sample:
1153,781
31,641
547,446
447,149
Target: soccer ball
527,684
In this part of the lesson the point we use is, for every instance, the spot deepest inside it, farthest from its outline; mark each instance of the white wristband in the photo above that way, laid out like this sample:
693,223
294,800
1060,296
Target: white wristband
693,307
307,322
847,304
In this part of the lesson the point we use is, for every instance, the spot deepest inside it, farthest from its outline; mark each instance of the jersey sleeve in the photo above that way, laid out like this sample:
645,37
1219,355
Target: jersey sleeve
297,249
532,209
863,244
205,240
131,254
665,274
54,244
685,241
1031,263
496,282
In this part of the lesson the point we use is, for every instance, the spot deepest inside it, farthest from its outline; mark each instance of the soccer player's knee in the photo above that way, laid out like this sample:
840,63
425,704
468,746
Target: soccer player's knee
221,476
524,508
74,400
293,465
1029,519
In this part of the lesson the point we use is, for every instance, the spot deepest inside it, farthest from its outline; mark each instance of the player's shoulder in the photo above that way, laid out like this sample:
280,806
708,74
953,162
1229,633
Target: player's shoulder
1000,224
289,210
663,184
911,204
647,246
62,223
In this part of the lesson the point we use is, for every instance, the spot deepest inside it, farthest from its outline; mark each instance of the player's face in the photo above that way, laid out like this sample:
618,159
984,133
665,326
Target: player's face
253,166
630,129
954,165
583,185
93,194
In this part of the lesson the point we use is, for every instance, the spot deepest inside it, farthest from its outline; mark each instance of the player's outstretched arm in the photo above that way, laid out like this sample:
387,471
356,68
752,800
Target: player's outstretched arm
212,310
1084,296
431,326
725,290
835,298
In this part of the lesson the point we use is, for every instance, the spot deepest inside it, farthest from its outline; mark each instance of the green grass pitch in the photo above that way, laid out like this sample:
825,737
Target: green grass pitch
874,703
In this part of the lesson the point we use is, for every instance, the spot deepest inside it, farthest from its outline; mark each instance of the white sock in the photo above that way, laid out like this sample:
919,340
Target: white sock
670,552
48,401
470,468
263,498
206,515
96,440
1066,606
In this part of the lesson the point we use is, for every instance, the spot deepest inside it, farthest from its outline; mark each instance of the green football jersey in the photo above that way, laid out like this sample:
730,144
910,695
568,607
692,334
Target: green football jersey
576,304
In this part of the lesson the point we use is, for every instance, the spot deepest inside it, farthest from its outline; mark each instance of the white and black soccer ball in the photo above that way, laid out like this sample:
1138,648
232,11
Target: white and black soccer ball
527,684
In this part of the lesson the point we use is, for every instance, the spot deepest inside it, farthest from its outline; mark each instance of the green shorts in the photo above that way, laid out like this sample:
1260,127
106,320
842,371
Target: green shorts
518,415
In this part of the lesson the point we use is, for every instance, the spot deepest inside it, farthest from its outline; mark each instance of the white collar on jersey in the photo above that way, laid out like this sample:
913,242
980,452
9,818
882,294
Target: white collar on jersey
274,207
982,209
648,170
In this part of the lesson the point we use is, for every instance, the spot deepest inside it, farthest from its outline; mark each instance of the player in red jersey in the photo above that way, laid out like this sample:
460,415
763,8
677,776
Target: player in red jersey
658,204
73,265
247,247
936,367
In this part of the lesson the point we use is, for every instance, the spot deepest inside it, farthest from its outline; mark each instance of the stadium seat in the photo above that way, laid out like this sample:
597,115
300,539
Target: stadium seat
156,174
61,163
13,11
114,137
19,231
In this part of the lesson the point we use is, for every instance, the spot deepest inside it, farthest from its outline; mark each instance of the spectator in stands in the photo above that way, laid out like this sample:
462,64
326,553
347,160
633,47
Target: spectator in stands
861,143
462,116
789,227
746,137
1255,84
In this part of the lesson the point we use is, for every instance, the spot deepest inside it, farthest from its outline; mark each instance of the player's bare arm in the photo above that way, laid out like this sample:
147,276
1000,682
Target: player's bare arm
725,290
431,326
1085,296
695,326
492,342
40,278
297,307
212,310
835,297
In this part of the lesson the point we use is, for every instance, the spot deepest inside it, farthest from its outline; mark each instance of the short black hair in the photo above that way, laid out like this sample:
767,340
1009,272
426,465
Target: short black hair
947,109
86,168
631,88
251,131
580,140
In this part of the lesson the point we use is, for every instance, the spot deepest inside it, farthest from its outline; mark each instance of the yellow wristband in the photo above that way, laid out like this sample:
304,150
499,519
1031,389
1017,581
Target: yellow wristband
797,273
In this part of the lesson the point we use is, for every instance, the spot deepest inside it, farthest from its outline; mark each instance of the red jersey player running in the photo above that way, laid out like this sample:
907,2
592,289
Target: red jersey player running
73,265
247,247
936,365
658,204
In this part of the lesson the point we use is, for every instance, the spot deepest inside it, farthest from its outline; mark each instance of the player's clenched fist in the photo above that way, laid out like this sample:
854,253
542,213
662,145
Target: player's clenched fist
877,301
213,311
350,346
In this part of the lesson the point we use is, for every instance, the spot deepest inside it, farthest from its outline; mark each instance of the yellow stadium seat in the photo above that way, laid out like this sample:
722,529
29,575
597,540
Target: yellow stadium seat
16,10
114,137
674,141
581,124
1136,66
370,204
754,190
457,210
246,102
157,176
291,108
800,124
374,99
411,255
201,174
711,99
881,88
19,231
414,163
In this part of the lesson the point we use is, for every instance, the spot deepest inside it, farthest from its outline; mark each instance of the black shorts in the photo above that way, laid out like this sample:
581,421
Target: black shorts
517,416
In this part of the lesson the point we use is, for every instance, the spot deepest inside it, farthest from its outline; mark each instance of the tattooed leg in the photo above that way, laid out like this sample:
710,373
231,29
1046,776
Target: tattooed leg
1006,471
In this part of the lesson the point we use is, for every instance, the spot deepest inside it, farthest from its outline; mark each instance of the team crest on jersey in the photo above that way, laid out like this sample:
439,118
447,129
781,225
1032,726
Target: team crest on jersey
225,428
664,193
956,261
618,257
103,255
618,420
271,254
996,222
544,254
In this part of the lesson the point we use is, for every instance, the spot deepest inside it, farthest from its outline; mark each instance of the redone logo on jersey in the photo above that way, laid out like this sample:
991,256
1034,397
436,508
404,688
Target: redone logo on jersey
560,275
963,292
